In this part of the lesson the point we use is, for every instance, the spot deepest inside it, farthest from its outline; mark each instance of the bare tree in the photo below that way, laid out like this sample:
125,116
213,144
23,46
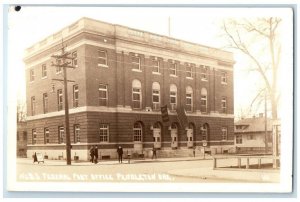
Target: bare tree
258,40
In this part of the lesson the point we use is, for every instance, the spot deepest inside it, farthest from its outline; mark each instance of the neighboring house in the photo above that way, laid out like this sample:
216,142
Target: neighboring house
249,135
123,77
21,139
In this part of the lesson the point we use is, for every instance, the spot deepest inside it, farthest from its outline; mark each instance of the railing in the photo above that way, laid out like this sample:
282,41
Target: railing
246,162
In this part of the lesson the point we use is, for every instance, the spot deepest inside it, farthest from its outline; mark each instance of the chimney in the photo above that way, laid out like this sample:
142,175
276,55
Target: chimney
261,115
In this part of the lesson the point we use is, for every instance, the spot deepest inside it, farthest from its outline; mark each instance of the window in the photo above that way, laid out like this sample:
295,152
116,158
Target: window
156,96
204,72
137,132
204,130
75,95
76,133
136,62
25,135
32,75
102,58
136,94
34,136
189,99
224,105
45,103
104,132
74,61
103,95
156,65
33,105
173,97
173,68
58,68
224,133
60,99
46,135
188,70
44,71
203,100
239,139
61,135
223,77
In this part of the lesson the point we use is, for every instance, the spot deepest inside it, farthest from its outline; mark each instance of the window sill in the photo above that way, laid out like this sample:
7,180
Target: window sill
204,80
172,75
190,78
136,70
156,73
102,65
224,83
58,72
45,77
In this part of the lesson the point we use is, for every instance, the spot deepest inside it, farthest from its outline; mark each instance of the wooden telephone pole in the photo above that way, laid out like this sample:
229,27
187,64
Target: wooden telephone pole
64,64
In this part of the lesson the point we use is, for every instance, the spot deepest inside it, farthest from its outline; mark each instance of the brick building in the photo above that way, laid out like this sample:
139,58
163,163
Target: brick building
122,78
21,139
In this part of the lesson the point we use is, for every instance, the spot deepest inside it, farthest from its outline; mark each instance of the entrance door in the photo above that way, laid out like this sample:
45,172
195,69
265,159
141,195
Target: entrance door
157,137
189,133
174,136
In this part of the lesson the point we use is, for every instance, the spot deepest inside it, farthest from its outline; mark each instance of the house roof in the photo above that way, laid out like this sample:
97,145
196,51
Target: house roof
255,124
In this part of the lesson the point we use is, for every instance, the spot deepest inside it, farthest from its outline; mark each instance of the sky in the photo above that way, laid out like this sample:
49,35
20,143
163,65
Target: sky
199,25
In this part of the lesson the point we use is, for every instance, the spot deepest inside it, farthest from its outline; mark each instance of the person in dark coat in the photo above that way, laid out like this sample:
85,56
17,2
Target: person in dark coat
120,153
35,158
96,155
154,153
92,153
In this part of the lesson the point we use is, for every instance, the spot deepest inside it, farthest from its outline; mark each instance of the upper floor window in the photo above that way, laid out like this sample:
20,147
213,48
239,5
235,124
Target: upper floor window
156,96
223,77
74,61
59,99
61,134
136,62
204,72
32,76
224,105
188,70
33,104
189,99
103,94
156,65
75,96
76,133
102,58
24,135
44,71
58,68
45,103
173,96
104,133
203,100
34,136
136,94
239,139
173,68
224,133
46,135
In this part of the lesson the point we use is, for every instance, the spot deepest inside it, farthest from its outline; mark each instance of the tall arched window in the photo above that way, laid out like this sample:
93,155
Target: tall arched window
137,132
136,94
204,100
173,96
156,96
204,132
189,99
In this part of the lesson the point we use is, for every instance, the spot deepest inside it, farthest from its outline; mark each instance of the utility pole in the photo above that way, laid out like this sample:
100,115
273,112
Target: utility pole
266,124
64,57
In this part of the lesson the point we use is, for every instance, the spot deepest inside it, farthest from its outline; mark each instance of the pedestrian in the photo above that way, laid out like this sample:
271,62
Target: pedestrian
154,153
35,158
96,155
194,152
120,154
92,154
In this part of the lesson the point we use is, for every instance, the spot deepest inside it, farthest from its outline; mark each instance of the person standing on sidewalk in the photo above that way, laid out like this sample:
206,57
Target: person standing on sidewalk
154,153
92,154
96,155
120,153
35,158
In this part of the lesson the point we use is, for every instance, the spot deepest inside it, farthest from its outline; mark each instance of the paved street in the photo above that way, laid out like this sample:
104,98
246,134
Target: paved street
190,170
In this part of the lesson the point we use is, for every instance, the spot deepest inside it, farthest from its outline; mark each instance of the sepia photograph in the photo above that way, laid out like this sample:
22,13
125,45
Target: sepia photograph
150,99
